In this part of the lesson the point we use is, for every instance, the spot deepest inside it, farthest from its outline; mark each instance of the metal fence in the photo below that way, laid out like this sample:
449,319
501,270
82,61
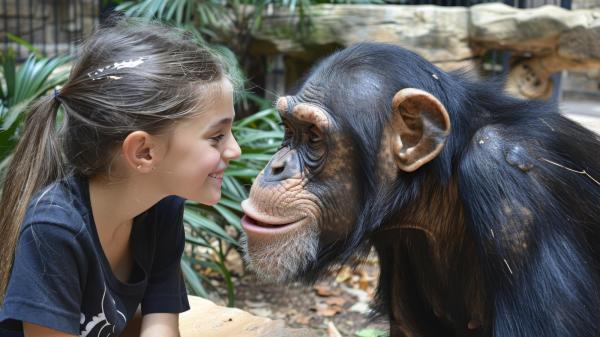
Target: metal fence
53,27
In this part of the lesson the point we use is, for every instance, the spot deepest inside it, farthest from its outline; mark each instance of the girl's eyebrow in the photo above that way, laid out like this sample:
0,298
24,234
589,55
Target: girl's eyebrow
224,121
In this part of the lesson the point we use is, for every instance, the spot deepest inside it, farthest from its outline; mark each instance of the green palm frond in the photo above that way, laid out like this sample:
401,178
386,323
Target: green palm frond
209,13
20,85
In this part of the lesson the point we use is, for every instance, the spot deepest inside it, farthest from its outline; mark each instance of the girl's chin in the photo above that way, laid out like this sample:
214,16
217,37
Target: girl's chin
211,192
212,202
209,199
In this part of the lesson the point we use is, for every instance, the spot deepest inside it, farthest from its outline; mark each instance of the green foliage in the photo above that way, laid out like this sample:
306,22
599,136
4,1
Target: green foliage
226,26
212,16
213,232
371,333
229,24
20,85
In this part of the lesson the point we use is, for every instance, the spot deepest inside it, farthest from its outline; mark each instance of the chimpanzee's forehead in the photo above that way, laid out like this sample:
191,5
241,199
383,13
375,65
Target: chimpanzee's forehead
369,71
313,91
359,90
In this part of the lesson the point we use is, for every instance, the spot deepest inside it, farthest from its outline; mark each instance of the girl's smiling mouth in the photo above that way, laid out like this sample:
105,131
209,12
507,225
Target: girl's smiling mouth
217,175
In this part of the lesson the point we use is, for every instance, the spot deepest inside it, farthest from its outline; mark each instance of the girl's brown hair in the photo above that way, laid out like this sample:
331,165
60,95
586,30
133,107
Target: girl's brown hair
130,76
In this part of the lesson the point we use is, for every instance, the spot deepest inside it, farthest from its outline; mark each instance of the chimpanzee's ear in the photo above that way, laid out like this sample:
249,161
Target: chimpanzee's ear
420,124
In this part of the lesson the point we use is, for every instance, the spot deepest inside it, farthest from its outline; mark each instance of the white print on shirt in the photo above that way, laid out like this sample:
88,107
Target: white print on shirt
99,326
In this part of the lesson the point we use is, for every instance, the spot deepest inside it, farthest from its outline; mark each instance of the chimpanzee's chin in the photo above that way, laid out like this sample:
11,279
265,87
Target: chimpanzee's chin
284,260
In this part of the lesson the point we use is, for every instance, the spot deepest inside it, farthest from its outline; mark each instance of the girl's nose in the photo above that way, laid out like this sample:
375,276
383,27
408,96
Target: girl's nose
233,150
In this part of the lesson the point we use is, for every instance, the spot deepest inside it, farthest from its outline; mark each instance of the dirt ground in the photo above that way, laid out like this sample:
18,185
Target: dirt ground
341,298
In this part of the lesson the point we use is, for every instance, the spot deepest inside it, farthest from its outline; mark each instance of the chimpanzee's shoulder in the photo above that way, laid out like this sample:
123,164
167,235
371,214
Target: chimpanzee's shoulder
504,145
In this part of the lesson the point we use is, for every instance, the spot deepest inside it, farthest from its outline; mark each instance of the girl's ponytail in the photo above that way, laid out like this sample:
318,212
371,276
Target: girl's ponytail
36,162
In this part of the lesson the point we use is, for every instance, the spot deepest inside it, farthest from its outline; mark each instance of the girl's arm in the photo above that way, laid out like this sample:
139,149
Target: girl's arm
34,330
160,325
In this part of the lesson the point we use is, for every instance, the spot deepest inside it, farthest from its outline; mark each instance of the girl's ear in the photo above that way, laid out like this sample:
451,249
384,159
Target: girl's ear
141,151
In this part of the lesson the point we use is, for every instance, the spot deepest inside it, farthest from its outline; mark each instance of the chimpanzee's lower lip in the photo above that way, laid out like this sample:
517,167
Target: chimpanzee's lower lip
252,225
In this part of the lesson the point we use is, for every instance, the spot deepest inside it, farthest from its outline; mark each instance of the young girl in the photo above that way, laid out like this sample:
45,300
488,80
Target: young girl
91,214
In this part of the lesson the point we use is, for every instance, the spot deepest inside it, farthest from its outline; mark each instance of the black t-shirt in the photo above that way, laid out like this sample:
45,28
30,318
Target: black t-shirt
62,280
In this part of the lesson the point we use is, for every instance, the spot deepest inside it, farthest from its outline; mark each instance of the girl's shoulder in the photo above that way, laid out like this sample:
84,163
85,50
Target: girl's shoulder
61,204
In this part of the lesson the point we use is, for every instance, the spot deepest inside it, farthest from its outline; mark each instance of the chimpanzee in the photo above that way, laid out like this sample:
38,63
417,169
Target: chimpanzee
484,209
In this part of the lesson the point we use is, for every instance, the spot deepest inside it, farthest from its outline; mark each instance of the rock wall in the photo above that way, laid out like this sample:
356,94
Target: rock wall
542,41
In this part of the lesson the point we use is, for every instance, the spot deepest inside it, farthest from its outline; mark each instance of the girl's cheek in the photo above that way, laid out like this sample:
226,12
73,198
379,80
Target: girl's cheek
212,158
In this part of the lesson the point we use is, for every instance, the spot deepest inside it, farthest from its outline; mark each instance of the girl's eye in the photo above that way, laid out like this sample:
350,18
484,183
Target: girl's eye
217,138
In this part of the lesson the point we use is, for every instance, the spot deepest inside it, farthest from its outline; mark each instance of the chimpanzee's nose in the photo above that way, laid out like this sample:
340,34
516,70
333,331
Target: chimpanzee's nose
281,167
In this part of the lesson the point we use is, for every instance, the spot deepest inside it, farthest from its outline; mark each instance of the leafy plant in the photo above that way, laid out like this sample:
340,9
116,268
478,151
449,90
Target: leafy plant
226,24
214,232
231,24
369,332
19,86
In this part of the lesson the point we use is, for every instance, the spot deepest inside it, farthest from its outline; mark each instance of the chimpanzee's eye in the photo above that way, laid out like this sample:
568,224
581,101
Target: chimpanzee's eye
287,134
314,135
314,151
287,131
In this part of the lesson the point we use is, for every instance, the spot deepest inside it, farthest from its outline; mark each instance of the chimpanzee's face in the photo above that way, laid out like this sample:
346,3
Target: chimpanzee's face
305,197
346,130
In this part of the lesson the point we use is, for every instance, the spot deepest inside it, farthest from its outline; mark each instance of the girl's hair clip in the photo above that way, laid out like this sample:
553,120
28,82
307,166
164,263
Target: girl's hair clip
111,70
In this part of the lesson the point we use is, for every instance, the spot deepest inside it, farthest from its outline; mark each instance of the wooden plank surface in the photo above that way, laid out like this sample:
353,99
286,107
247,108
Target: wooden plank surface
206,319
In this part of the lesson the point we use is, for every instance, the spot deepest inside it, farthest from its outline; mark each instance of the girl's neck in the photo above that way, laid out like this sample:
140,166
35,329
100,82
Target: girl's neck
115,202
